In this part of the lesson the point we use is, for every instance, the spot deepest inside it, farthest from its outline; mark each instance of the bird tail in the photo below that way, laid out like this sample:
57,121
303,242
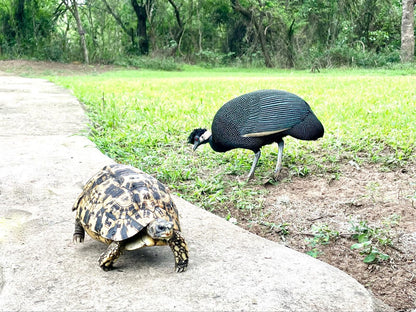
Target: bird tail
309,129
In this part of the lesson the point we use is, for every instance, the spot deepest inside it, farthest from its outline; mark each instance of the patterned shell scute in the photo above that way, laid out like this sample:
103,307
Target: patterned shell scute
119,201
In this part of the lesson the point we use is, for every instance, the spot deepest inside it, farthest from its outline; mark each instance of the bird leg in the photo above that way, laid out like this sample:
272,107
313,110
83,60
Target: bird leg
253,166
281,145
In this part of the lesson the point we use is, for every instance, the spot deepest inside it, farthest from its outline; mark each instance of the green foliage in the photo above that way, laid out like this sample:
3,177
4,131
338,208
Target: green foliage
370,239
25,27
302,34
356,56
211,59
322,235
282,228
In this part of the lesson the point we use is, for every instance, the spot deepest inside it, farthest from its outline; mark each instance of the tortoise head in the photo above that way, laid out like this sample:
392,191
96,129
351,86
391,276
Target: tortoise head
199,136
160,229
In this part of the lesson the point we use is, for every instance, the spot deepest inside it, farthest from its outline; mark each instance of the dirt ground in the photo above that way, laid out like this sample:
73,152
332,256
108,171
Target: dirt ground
28,68
361,193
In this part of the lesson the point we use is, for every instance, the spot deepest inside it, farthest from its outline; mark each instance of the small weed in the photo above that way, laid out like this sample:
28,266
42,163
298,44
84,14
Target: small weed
314,252
372,253
231,219
322,235
301,171
370,239
281,228
412,197
246,199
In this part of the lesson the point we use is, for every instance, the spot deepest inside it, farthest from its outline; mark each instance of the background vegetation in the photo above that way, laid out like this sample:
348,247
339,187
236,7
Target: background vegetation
302,34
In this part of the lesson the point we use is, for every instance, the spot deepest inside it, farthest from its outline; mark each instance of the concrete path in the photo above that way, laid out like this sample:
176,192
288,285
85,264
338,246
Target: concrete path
43,165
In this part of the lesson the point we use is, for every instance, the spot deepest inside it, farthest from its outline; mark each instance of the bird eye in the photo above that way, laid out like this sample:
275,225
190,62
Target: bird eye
196,139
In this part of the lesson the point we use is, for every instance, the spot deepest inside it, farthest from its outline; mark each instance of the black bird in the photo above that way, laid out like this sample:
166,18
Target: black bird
259,118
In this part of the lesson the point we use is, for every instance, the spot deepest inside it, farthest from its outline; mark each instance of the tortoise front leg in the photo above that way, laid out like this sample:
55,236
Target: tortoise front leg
180,250
109,256
79,233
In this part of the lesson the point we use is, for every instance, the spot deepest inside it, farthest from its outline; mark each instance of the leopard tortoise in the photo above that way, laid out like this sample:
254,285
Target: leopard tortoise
128,209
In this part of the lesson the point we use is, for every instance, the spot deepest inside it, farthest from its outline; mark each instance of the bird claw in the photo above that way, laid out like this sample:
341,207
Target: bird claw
275,176
250,177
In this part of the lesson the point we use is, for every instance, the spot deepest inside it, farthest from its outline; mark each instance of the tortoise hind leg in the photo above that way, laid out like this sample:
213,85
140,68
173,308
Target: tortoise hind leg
79,233
109,256
180,250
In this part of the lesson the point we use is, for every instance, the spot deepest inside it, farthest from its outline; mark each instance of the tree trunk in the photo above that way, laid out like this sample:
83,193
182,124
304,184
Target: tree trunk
128,31
290,48
141,31
180,23
73,7
408,33
259,29
20,16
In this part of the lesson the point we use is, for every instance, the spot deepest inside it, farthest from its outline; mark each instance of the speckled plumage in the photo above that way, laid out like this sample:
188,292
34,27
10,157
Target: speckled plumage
259,118
115,207
262,117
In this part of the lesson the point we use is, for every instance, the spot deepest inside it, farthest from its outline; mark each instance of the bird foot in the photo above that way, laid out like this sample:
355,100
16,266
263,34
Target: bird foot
250,177
275,175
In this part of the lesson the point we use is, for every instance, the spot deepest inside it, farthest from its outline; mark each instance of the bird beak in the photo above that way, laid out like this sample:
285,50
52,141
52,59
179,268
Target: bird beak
197,143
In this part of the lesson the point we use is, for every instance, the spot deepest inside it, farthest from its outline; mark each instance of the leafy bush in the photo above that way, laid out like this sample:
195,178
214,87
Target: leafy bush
356,56
209,58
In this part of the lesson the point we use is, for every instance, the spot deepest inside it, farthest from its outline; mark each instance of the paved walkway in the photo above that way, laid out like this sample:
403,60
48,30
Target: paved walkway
43,165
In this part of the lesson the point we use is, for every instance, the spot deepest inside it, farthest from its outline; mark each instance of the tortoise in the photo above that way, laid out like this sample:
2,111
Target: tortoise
128,209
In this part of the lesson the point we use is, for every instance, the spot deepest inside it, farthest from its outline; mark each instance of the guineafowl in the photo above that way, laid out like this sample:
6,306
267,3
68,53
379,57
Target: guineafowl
259,118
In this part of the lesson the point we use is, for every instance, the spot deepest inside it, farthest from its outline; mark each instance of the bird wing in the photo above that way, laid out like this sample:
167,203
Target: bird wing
274,112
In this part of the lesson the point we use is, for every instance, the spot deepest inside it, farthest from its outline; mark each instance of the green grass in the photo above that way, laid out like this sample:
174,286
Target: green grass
143,118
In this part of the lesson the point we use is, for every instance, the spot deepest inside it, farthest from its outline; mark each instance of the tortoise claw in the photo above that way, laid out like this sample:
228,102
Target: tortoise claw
108,267
77,238
79,233
181,266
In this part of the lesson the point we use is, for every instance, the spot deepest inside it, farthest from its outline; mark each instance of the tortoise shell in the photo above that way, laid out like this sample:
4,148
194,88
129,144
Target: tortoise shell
120,200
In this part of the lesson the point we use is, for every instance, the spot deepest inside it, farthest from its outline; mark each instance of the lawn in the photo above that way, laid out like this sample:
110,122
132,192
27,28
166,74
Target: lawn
347,198
143,118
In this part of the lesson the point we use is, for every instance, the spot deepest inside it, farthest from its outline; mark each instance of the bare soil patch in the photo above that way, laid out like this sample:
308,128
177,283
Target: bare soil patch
30,68
368,193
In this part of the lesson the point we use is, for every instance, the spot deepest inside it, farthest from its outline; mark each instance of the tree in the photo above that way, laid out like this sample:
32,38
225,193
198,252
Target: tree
298,33
72,6
181,27
141,9
20,17
408,31
124,26
255,16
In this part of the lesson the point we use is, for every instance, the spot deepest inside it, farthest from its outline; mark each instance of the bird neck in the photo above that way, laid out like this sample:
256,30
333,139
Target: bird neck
207,136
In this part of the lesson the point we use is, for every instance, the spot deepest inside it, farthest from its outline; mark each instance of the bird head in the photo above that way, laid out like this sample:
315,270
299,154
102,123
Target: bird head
199,136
